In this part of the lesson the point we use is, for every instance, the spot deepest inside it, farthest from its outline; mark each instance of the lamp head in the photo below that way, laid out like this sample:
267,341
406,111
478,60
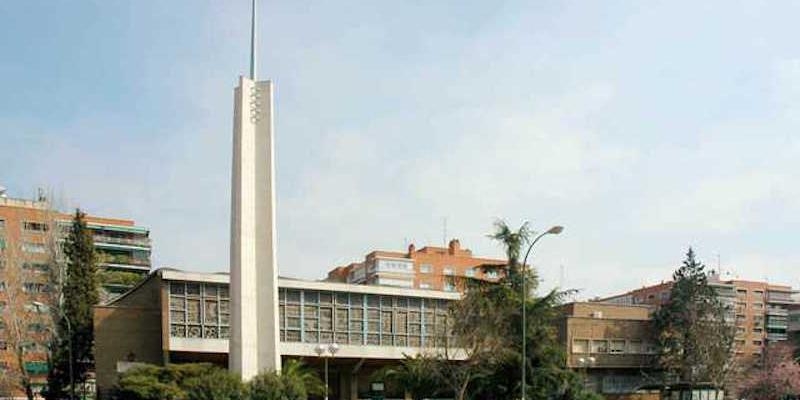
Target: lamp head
555,230
333,348
320,349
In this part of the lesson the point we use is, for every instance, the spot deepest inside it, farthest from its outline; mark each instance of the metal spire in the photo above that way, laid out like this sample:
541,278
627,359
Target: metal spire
253,43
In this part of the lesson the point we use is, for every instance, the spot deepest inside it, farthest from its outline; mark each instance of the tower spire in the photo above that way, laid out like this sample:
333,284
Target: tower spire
253,43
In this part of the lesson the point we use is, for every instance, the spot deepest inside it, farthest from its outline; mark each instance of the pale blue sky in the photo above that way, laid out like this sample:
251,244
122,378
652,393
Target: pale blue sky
643,127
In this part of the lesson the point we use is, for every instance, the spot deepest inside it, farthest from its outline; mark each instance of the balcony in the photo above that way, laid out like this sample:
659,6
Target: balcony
776,337
125,262
777,311
138,241
609,360
779,297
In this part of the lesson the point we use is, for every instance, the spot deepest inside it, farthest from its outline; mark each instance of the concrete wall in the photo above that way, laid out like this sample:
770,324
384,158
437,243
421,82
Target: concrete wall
128,330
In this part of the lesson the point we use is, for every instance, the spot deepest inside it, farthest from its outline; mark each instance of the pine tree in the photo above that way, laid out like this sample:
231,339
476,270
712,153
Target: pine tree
72,346
694,337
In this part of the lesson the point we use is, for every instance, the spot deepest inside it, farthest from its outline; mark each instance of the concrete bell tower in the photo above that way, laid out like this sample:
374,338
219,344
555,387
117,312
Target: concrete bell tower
254,273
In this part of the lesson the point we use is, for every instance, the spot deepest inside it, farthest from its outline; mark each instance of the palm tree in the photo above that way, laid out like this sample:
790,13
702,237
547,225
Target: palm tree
414,375
294,382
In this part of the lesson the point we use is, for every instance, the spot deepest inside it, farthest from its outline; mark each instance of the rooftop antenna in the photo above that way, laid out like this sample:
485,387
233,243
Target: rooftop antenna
253,43
561,274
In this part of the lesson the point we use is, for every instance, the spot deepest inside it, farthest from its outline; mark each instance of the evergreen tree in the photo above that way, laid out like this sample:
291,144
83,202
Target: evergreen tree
73,343
694,337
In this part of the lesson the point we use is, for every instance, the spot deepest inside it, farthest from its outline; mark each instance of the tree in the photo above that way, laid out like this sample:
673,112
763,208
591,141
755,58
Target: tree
293,382
75,328
487,323
694,336
198,381
217,384
415,375
776,378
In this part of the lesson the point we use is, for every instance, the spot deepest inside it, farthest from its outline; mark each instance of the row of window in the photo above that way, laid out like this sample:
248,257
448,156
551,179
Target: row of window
612,346
199,310
348,318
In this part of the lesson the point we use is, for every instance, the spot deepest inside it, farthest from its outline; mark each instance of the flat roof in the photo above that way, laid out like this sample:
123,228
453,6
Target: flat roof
292,283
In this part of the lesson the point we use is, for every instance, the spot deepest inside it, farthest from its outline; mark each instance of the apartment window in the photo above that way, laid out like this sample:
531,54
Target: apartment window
424,285
3,345
758,293
635,346
33,247
758,330
425,268
664,296
616,346
449,287
35,287
758,306
36,267
2,287
34,226
491,274
739,330
2,224
741,292
448,270
470,273
756,343
599,346
580,346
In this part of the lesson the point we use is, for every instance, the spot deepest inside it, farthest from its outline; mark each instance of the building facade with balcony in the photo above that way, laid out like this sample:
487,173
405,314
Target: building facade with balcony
31,233
177,316
611,345
759,310
430,267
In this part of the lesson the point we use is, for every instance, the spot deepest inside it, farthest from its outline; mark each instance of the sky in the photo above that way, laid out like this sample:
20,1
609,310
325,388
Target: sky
643,128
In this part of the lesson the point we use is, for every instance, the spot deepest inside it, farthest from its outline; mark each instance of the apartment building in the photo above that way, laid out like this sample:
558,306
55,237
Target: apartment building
427,268
30,235
759,310
611,345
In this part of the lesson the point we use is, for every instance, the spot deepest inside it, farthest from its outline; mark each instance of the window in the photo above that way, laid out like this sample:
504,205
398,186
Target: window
664,296
758,293
491,274
617,346
424,285
741,292
3,345
599,346
34,226
470,273
758,306
635,346
756,343
35,287
33,247
448,270
449,287
2,287
580,346
2,224
758,330
36,267
425,268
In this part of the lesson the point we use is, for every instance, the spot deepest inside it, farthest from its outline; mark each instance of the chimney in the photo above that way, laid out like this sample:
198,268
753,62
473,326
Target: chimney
454,247
411,249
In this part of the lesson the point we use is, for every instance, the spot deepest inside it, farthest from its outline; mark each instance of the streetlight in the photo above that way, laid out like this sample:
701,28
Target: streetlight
42,306
552,231
324,351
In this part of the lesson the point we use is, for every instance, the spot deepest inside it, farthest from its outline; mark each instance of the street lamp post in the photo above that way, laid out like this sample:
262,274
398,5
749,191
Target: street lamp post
552,231
325,352
43,306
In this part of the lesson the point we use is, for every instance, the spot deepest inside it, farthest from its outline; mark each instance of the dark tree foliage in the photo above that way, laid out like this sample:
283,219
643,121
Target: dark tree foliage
413,375
494,310
179,382
75,326
694,339
293,382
